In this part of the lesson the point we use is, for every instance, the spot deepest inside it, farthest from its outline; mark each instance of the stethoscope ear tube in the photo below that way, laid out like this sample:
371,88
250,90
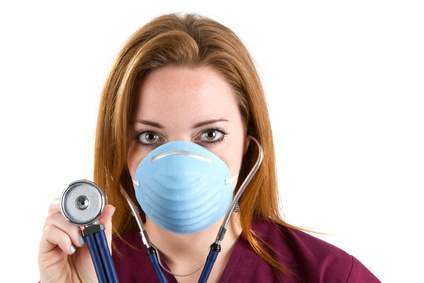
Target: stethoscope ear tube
93,248
151,251
155,263
82,202
96,240
210,261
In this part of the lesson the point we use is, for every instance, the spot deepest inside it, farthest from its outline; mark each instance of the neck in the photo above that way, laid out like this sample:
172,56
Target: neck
183,253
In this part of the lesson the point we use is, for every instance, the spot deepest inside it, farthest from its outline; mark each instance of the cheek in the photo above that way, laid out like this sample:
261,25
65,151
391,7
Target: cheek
135,155
232,154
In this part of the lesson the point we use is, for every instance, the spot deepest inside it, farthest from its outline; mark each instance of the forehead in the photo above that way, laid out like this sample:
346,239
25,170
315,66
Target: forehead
185,91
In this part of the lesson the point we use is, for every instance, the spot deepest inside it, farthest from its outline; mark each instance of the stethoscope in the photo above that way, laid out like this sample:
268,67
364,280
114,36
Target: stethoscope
83,201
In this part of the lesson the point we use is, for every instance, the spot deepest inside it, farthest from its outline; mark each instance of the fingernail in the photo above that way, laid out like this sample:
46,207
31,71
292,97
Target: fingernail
81,240
71,249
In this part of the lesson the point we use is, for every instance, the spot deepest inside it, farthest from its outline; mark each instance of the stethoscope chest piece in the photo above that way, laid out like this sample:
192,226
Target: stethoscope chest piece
82,202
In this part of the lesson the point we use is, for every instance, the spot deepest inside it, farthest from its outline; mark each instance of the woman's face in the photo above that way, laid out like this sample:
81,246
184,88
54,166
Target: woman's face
188,103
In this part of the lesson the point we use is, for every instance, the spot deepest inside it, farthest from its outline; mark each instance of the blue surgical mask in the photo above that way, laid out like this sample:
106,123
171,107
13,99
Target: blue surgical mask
184,187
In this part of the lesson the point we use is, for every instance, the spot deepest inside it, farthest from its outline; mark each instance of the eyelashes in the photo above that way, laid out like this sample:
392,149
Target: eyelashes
220,138
151,138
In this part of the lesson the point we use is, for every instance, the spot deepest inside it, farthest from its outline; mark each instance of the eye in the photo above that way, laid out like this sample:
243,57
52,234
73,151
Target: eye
147,137
212,135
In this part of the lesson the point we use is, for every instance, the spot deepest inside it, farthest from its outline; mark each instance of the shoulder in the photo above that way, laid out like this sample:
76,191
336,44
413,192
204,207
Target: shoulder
314,259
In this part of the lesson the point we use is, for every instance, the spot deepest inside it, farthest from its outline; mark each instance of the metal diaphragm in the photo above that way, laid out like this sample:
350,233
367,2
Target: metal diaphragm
82,202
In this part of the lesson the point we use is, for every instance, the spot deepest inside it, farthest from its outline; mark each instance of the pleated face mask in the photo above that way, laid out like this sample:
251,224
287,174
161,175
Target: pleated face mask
183,187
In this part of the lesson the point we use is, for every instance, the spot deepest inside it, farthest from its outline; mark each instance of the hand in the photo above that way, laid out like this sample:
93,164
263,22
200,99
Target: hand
62,256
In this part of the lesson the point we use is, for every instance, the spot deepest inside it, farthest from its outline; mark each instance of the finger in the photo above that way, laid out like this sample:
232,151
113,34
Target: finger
54,206
63,224
106,220
53,237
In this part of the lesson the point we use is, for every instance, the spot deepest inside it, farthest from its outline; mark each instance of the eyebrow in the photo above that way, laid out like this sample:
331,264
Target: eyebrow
197,125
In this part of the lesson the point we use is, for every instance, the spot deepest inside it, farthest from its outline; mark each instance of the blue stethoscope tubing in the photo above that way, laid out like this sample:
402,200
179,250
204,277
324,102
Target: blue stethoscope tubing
155,263
96,242
215,248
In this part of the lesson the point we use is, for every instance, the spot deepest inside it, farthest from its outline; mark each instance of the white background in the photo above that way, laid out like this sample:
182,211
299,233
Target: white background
344,82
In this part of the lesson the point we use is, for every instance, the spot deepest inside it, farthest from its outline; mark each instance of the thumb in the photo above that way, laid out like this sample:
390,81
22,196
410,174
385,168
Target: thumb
106,220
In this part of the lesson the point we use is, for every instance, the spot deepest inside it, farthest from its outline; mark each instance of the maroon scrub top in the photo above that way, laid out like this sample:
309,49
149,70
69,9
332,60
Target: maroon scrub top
313,259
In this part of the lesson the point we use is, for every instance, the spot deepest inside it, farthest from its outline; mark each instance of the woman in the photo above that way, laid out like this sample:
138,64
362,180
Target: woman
186,80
